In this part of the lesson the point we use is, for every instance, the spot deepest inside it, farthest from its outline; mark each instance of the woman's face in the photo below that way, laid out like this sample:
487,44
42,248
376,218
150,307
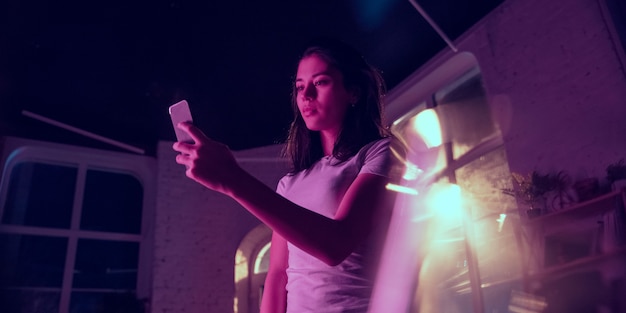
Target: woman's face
321,96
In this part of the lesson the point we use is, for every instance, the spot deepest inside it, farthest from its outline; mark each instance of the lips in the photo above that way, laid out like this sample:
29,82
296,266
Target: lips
308,111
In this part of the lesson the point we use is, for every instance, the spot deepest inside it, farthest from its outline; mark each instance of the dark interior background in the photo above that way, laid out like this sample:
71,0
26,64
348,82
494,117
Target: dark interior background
113,67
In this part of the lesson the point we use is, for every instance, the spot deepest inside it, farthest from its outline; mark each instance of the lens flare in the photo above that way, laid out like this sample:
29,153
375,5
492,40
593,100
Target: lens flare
445,201
401,189
411,171
427,126
501,221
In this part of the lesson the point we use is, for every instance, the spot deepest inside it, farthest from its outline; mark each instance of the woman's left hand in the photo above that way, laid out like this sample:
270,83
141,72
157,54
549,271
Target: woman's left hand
208,162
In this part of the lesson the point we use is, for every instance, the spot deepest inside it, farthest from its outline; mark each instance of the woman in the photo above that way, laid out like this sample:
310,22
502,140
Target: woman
329,211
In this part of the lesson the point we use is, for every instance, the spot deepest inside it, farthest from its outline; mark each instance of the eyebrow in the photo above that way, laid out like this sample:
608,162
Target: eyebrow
326,73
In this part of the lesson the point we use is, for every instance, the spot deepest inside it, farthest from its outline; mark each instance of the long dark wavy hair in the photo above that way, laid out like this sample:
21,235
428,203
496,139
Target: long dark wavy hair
363,122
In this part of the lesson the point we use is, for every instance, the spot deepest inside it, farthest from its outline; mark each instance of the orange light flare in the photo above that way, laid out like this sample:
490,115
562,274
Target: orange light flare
445,202
427,126
411,171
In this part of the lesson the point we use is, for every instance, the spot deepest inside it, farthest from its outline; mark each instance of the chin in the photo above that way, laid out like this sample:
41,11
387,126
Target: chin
312,126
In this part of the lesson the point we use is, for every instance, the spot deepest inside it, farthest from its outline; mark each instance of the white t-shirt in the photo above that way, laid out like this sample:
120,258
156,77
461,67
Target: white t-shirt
313,286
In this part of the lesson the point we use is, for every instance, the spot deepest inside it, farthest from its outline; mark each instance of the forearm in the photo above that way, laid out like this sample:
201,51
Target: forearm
275,288
328,239
274,294
316,234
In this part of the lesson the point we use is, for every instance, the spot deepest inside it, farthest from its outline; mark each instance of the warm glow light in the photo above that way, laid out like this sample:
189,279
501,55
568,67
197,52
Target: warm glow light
241,273
427,126
449,240
241,266
402,189
259,258
501,221
445,202
411,171
522,302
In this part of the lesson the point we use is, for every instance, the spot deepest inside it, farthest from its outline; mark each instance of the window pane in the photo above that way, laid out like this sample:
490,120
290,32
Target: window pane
106,264
40,195
31,261
90,302
262,262
483,179
444,276
112,202
465,113
495,242
24,301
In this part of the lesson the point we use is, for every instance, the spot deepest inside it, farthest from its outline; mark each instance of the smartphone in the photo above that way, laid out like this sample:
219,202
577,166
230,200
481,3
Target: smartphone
179,112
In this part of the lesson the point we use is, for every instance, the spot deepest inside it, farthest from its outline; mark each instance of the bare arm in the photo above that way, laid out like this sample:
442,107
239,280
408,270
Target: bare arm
274,292
330,240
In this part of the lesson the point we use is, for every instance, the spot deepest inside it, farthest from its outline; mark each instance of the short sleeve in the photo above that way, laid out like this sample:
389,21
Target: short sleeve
376,158
280,187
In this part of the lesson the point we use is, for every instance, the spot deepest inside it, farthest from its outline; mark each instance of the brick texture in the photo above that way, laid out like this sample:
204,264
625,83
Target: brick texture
557,65
197,233
553,61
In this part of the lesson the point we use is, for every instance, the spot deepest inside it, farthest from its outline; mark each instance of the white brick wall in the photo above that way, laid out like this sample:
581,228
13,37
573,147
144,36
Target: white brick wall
197,233
555,62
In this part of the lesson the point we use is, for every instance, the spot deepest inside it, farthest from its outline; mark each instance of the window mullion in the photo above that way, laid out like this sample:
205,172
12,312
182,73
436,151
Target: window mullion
70,257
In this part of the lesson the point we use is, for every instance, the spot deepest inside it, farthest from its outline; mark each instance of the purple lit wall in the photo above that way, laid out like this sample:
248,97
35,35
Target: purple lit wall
554,61
197,233
558,65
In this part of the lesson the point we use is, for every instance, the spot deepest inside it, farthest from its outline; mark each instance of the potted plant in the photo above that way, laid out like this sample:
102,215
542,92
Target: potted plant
587,188
559,191
616,174
541,192
531,190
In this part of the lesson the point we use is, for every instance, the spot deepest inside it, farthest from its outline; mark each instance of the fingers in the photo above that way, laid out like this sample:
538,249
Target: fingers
196,135
183,148
187,161
194,132
183,159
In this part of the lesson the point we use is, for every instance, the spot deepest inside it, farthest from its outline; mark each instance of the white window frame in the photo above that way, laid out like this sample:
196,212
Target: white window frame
143,168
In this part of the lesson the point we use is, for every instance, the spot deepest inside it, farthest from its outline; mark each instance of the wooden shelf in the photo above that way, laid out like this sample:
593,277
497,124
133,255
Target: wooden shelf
596,206
577,264
577,224
550,272
568,224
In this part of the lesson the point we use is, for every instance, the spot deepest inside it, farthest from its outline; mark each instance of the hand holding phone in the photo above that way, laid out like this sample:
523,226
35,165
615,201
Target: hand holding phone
179,112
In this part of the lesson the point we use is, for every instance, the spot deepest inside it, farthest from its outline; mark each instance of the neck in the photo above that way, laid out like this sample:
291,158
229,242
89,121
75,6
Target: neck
328,141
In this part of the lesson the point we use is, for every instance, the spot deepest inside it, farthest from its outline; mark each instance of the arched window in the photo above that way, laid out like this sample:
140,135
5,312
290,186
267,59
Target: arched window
251,264
262,260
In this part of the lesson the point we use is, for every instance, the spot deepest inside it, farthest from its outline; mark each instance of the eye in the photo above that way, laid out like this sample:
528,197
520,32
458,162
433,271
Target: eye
299,88
320,82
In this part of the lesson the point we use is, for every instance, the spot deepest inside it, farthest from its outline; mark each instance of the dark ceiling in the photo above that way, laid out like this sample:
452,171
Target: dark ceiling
113,67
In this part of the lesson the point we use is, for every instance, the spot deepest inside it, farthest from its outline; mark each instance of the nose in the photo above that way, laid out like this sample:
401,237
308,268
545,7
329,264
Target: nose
309,92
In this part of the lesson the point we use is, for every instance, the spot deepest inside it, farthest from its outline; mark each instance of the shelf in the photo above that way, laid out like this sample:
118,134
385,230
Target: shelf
584,209
551,272
576,224
581,263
